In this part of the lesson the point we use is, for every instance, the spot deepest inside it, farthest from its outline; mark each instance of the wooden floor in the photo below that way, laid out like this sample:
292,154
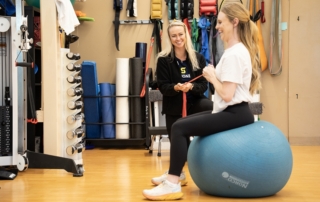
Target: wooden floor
122,174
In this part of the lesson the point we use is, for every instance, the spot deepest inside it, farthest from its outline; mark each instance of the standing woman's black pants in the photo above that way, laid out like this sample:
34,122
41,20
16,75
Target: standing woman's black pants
203,124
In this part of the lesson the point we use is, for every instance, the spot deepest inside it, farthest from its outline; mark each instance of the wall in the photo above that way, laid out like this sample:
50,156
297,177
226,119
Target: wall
97,43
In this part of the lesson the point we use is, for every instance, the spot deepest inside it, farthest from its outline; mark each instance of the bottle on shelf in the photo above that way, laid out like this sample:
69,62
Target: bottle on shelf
74,104
74,79
74,67
76,133
75,91
73,56
75,117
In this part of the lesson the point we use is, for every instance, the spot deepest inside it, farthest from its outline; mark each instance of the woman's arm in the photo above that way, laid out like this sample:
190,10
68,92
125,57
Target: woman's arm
201,84
226,89
164,78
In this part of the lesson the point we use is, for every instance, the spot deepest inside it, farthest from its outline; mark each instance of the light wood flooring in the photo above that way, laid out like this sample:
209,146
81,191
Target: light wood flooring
122,174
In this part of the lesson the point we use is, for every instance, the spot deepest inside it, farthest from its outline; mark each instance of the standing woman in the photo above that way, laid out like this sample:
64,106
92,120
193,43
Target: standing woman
176,66
235,79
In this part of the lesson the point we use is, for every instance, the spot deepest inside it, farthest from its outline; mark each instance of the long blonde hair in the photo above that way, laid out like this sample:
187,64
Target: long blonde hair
248,35
169,48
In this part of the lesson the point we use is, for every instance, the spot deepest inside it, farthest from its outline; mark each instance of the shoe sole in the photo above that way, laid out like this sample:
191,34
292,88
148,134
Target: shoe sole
182,182
167,197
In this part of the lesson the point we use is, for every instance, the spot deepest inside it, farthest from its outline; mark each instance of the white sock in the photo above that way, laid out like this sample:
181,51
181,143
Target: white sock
171,184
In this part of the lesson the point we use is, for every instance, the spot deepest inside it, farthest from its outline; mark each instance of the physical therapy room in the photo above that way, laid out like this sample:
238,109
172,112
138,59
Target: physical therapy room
159,100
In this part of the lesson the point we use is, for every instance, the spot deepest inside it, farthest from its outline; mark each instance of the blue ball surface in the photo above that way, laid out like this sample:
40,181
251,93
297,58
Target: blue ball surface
250,161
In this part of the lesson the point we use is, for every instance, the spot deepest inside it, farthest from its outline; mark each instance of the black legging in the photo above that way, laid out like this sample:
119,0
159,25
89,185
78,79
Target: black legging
199,105
203,124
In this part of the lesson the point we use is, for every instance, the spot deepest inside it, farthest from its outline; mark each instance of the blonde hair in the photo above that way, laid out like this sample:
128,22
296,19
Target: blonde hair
248,35
169,50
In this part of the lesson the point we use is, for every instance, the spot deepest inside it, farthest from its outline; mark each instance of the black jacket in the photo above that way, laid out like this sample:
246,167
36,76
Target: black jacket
168,75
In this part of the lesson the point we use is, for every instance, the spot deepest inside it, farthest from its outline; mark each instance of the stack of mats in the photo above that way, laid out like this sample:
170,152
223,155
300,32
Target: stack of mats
91,100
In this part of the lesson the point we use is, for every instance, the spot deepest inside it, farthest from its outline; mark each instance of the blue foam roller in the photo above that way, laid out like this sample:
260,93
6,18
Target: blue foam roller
108,110
91,104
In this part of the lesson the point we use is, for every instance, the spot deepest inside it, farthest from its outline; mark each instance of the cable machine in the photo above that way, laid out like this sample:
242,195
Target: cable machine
14,46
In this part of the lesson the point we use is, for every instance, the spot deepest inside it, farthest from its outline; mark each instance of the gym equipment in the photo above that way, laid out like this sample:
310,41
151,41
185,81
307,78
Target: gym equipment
117,6
122,99
108,110
13,126
156,9
250,161
136,103
173,9
91,101
153,128
36,3
208,7
132,10
255,12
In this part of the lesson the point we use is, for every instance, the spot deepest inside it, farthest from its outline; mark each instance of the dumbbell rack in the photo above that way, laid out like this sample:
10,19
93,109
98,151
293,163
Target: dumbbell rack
72,130
72,117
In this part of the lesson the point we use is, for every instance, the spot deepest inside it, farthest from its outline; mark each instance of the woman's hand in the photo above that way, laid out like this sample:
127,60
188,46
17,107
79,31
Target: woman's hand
209,73
185,87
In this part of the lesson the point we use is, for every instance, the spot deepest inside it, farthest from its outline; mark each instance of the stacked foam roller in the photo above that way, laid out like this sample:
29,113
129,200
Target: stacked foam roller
72,127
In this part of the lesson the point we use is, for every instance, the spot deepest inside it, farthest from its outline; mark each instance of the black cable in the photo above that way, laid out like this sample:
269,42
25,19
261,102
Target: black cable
3,73
10,71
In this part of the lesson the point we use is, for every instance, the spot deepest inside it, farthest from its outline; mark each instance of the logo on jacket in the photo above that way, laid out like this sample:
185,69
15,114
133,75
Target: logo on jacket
184,73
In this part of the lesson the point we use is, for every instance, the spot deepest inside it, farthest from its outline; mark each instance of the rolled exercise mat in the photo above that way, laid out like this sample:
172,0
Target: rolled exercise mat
92,102
141,51
107,110
136,103
122,103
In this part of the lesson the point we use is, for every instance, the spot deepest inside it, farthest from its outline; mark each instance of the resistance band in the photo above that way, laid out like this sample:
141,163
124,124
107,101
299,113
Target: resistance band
132,8
195,35
255,17
276,38
263,18
143,90
184,98
117,6
172,9
204,24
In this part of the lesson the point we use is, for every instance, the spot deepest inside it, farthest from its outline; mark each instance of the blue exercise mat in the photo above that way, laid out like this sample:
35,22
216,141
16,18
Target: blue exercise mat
108,110
92,102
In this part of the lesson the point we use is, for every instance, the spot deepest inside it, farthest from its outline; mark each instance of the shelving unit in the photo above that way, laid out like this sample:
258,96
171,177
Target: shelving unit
51,115
117,142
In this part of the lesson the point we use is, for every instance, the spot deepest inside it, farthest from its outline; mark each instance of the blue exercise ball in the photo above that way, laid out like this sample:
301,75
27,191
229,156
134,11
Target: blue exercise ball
250,161
36,3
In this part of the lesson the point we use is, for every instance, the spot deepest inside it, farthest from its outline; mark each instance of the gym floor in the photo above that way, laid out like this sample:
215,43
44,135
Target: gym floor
122,174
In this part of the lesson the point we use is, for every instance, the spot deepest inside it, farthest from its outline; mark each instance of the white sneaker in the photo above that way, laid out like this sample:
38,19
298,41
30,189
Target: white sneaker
162,178
164,192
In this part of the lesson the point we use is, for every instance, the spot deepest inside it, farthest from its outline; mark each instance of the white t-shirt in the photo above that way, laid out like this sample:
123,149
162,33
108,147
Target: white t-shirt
234,66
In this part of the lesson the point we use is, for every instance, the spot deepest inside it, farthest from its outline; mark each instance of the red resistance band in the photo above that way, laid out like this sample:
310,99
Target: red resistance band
263,19
143,90
184,98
